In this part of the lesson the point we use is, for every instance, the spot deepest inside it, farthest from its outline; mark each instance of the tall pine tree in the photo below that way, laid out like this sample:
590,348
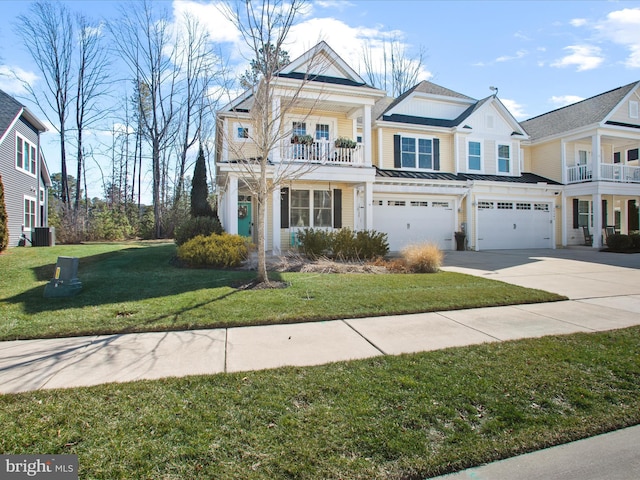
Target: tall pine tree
200,206
4,221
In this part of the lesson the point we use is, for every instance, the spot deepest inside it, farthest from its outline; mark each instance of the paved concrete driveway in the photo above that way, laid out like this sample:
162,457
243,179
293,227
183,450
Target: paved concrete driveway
577,273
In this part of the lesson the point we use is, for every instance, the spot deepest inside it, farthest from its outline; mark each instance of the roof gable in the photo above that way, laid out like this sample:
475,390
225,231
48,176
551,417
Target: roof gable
322,64
591,111
10,110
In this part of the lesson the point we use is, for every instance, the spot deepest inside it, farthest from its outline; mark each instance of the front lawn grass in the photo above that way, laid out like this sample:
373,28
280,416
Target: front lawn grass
134,287
401,417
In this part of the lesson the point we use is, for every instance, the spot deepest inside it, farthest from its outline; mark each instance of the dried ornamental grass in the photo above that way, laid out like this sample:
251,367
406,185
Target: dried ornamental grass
423,258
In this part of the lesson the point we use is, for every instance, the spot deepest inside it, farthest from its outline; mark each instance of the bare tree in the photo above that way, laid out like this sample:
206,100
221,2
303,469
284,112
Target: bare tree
199,69
92,84
265,25
390,67
47,32
146,43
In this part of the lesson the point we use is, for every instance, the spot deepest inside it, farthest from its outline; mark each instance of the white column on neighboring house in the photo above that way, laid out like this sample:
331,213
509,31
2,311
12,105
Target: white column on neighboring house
456,160
277,122
563,221
368,206
275,220
596,156
366,134
231,212
563,156
597,220
471,241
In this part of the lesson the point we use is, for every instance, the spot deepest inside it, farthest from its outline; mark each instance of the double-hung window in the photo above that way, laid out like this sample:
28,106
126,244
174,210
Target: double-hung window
475,156
300,208
417,153
322,132
311,208
29,213
25,155
504,158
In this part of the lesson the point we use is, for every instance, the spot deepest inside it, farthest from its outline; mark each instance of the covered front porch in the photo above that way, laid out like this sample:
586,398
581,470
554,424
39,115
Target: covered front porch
599,209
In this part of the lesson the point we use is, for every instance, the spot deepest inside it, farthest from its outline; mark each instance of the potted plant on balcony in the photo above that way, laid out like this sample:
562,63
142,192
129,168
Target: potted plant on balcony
302,139
344,142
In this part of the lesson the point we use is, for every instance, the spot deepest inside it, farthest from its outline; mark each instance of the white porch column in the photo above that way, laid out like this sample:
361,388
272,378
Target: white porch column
563,154
597,220
275,220
275,153
564,219
231,204
366,134
596,156
368,205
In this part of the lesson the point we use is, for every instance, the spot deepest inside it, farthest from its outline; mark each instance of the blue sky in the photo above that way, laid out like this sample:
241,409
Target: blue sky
540,54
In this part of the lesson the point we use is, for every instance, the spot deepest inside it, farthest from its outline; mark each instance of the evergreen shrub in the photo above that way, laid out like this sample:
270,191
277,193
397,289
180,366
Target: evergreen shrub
619,242
219,251
194,226
343,244
4,220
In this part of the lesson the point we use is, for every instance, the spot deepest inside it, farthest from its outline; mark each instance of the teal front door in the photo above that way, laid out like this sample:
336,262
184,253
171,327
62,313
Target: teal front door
244,219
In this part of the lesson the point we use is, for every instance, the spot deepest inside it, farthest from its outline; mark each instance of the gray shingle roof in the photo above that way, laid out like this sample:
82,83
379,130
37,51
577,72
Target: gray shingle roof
9,109
429,88
586,112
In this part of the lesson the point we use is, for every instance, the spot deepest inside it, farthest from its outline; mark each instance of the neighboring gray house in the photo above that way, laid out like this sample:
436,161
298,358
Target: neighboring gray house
24,172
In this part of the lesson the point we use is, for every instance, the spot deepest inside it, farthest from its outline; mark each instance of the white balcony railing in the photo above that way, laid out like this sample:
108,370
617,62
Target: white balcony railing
322,152
609,172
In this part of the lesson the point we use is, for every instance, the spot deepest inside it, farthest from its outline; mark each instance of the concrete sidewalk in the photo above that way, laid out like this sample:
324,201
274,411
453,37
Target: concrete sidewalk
81,361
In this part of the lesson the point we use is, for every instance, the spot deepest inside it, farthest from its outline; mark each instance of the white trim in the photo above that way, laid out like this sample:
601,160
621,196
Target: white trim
34,214
32,148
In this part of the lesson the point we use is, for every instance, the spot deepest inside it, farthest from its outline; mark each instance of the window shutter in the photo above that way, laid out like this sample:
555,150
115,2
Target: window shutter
576,224
436,154
604,213
284,208
337,208
397,162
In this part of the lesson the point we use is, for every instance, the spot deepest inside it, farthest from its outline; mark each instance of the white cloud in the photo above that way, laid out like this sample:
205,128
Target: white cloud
516,109
507,58
578,22
220,28
623,27
13,79
563,100
584,57
348,42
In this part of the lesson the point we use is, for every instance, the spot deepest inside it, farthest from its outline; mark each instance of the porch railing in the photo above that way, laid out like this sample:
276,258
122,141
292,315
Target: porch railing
322,152
609,172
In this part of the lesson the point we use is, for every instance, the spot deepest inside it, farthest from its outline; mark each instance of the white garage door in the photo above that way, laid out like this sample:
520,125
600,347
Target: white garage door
513,225
408,220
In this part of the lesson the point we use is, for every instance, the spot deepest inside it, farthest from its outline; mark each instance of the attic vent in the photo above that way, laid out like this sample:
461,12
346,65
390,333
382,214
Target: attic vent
490,121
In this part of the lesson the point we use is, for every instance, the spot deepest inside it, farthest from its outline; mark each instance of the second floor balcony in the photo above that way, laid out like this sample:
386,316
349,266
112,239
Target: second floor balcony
324,152
608,172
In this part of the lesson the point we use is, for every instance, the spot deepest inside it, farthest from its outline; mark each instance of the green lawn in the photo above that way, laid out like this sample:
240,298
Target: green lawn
133,287
394,417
